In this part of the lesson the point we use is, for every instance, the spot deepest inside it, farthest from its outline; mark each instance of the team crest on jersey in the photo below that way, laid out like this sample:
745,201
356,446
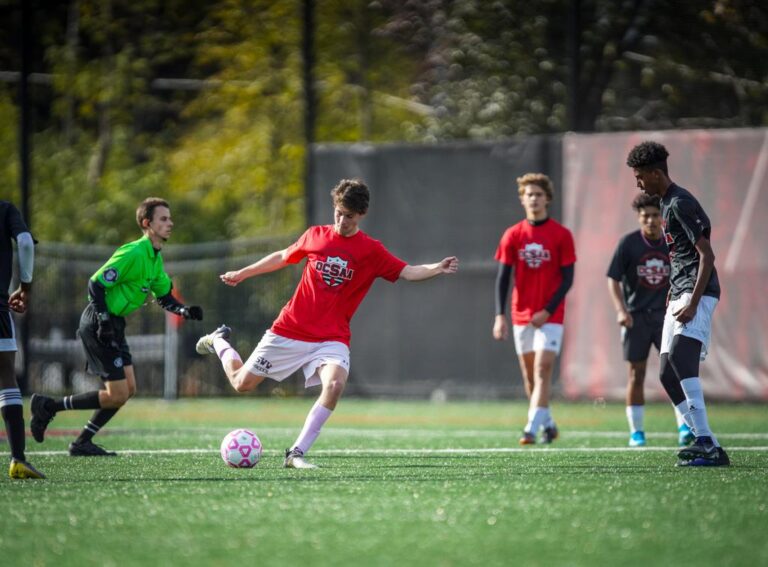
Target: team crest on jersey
534,254
110,275
334,270
653,271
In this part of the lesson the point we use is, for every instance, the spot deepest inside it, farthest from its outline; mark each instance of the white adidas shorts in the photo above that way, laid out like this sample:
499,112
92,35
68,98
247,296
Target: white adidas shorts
699,328
530,339
277,358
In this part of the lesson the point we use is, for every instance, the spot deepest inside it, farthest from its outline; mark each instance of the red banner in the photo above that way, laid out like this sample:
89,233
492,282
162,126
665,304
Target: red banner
727,171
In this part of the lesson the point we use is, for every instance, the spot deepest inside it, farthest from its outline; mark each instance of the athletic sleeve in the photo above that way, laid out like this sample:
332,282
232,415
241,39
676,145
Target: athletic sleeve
506,251
297,251
567,249
616,268
685,210
26,246
503,281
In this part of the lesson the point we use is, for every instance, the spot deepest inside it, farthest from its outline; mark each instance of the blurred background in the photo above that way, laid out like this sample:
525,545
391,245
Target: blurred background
245,113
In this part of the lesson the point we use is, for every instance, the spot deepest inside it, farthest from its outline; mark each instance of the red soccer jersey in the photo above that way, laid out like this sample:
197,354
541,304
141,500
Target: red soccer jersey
339,272
536,253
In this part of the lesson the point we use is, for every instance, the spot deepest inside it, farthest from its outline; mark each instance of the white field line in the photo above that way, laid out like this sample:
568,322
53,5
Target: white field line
395,452
379,433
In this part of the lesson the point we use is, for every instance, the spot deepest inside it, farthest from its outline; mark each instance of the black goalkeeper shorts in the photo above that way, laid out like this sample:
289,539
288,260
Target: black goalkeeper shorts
105,360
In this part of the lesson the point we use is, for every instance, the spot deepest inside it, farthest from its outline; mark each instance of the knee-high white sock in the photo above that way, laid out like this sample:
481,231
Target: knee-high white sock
679,416
225,351
682,409
635,418
549,421
536,418
697,410
317,416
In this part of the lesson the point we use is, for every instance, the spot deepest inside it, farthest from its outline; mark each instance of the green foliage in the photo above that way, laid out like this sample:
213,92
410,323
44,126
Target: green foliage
202,102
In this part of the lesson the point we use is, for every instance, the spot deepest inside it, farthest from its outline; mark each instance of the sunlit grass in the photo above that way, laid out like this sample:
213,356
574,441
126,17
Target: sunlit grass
400,483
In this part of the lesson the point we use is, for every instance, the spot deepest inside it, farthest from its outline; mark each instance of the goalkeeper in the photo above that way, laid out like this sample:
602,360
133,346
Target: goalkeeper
118,288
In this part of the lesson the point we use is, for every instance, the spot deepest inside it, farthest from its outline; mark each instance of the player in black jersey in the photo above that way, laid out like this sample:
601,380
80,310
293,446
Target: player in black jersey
638,282
12,227
693,295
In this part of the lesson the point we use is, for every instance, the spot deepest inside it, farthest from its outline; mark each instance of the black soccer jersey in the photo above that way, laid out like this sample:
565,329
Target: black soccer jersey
684,223
11,225
642,268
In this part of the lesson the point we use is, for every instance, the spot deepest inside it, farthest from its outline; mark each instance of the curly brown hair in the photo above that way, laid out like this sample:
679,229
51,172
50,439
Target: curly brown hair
352,194
538,179
643,200
648,155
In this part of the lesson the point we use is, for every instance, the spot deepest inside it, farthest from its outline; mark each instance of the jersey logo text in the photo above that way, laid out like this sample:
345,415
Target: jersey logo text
653,272
534,254
334,270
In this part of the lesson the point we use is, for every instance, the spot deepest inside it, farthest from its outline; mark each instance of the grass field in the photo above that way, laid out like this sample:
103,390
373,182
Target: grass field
404,483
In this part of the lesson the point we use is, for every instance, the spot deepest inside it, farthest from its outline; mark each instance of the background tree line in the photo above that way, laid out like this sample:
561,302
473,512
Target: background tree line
201,101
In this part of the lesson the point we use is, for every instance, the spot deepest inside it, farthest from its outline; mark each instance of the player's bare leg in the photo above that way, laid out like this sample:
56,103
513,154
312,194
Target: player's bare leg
217,342
334,380
526,368
539,415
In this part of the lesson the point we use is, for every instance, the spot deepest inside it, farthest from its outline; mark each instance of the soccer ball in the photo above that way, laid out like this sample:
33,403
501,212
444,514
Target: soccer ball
241,449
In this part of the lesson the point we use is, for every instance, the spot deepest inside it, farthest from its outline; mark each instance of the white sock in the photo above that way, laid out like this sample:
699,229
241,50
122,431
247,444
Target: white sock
536,418
679,416
549,422
316,417
225,351
697,410
635,415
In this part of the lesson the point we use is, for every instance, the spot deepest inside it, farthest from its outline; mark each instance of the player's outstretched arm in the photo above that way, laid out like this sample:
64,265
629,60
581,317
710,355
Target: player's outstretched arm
422,272
270,263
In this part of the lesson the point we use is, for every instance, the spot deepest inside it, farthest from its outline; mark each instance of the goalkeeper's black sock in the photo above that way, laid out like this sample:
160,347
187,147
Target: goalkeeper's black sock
98,420
88,400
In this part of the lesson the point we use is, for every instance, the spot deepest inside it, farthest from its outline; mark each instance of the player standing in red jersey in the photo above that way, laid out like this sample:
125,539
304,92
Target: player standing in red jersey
311,332
541,253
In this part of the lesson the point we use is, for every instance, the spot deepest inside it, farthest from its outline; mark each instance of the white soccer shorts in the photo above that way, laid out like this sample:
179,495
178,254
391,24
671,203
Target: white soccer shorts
699,328
530,339
278,357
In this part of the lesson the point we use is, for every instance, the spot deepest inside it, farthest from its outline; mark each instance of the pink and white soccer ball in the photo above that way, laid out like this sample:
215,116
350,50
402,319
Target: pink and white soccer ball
241,449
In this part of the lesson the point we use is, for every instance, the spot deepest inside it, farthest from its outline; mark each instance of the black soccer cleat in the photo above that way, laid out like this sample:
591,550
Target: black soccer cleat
41,416
721,460
701,448
88,449
549,434
703,453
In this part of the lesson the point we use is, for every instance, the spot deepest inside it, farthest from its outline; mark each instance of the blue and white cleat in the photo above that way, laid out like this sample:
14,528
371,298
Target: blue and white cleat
637,439
703,453
685,435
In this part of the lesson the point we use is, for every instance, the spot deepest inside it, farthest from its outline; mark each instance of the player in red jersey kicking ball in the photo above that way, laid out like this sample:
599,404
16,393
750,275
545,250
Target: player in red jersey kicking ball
541,253
312,330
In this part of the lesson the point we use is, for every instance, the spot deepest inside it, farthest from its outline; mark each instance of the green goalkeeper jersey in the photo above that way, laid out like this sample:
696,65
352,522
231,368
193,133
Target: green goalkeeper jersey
133,271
